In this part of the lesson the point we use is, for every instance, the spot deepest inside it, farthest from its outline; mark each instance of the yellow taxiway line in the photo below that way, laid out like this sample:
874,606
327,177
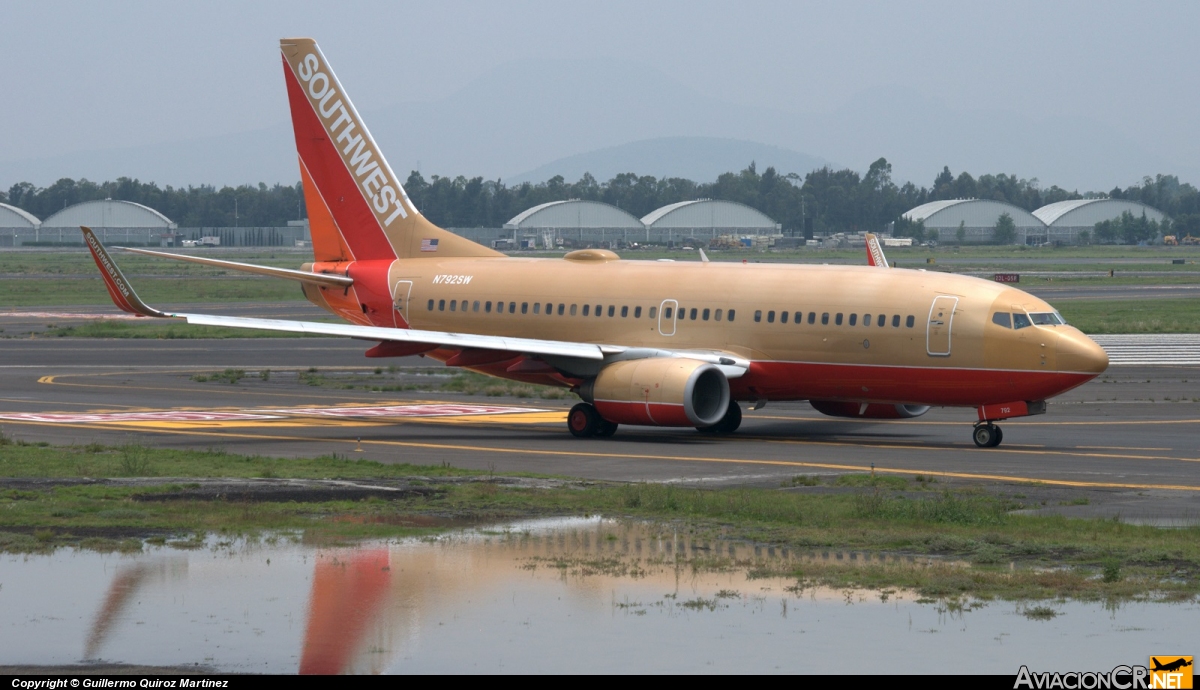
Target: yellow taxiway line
678,458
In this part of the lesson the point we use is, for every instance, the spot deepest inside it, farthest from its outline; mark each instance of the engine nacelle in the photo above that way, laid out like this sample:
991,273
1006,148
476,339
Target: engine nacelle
659,391
868,410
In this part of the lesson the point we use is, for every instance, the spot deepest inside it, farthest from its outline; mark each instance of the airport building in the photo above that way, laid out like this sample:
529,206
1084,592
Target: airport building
118,222
706,219
977,218
1064,220
15,224
581,222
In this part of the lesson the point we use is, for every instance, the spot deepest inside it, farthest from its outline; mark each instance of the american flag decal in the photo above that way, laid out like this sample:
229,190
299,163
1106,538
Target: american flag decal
429,245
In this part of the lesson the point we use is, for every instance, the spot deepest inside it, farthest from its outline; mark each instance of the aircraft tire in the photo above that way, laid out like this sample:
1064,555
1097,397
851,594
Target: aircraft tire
986,435
583,421
606,428
728,424
999,437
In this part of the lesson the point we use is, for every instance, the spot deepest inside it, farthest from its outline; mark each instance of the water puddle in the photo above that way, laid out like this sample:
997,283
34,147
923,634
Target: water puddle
566,595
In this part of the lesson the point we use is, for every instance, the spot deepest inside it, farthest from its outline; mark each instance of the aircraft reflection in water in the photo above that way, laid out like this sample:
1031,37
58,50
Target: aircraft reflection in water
366,605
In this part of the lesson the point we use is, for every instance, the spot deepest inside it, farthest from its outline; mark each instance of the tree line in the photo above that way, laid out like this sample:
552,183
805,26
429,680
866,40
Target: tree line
824,200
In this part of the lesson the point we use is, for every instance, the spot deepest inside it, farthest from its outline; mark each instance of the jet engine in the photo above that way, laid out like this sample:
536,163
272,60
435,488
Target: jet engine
868,410
659,391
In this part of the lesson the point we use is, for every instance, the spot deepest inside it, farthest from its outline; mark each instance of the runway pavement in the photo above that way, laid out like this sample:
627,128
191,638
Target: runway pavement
1132,435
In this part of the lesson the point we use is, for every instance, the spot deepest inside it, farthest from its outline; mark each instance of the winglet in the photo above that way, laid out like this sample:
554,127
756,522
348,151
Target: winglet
118,288
875,255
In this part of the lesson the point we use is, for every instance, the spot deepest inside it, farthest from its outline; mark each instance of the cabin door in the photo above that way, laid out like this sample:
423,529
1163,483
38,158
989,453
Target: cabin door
937,330
667,314
401,292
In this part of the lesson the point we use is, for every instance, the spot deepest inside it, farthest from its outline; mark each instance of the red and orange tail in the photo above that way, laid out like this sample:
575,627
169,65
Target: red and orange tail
357,209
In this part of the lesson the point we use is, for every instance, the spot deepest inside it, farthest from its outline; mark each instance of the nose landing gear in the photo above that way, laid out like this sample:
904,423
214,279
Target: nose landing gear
987,435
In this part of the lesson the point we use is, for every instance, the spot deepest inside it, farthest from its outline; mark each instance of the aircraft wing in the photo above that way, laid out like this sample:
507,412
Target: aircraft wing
127,300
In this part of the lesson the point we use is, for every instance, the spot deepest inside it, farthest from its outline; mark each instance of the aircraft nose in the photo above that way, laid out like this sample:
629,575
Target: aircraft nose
1077,352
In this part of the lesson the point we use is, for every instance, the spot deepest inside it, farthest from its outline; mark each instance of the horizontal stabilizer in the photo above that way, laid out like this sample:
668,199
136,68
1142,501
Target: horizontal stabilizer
326,279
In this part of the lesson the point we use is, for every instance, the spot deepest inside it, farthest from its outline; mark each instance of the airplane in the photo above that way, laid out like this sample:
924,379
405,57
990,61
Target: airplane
656,343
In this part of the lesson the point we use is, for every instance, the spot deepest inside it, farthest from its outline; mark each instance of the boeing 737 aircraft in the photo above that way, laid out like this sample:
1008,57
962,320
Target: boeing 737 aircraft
655,343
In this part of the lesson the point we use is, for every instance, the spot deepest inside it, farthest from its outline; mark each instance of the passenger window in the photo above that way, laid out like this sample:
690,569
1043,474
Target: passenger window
611,310
586,307
825,319
549,309
1002,318
573,309
430,305
1021,321
653,311
561,309
512,307
624,312
453,303
599,310
464,305
882,321
732,313
487,306
717,315
909,321
853,319
896,321
799,318
771,316
812,317
704,314
866,319
837,320
537,308
693,314
441,305
757,316
783,317
667,312
524,307
475,306
637,312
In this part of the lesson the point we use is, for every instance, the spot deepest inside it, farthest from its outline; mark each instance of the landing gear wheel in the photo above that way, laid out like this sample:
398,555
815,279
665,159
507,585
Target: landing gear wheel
606,428
584,421
728,424
987,435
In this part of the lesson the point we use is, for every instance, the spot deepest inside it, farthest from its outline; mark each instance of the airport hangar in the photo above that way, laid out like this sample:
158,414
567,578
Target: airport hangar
1066,219
593,222
1058,222
126,223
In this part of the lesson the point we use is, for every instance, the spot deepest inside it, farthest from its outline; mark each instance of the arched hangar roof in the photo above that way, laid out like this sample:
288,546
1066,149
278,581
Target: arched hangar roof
13,217
108,214
1088,212
707,213
573,213
971,213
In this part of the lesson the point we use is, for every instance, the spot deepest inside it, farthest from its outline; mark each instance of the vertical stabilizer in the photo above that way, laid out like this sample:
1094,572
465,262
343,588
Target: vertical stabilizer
357,208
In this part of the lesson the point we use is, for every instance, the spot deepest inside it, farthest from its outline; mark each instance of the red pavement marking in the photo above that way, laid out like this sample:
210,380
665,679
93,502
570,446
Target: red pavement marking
264,415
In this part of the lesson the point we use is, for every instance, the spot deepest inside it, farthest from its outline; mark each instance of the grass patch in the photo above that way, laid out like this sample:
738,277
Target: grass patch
984,549
1133,316
160,330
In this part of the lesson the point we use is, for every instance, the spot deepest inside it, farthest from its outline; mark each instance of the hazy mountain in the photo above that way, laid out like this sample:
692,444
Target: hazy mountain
509,123
695,158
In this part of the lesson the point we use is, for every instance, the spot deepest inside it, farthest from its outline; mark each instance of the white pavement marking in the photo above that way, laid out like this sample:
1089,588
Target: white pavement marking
66,315
1151,349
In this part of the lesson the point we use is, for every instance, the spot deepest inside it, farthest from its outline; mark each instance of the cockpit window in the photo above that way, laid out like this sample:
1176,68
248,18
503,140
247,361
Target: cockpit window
1002,318
1021,321
1047,318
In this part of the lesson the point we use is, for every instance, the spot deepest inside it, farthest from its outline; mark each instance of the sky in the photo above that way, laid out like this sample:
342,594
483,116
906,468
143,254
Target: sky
96,77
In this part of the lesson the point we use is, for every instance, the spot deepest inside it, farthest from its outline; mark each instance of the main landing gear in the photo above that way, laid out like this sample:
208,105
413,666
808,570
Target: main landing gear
987,435
728,424
584,421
